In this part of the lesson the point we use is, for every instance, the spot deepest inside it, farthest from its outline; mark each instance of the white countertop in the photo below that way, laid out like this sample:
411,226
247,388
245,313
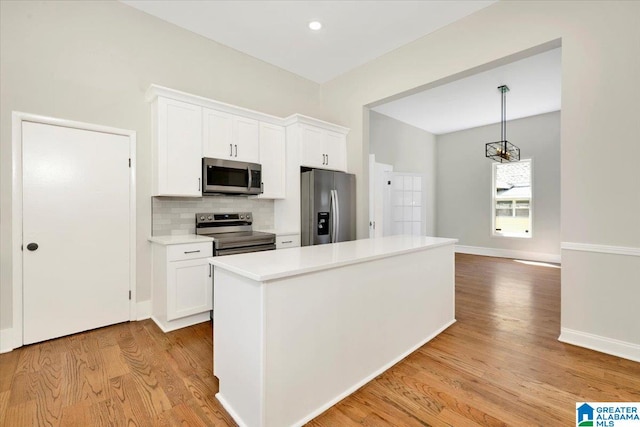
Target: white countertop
180,239
270,265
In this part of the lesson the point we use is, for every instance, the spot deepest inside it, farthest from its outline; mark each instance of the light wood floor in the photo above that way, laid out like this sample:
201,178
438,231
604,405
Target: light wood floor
500,364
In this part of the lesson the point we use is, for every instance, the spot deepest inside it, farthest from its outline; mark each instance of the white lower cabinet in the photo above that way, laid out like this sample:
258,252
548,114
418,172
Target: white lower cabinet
284,241
182,284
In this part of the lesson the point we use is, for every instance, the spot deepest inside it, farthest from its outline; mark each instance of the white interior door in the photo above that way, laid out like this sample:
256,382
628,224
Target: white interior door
76,209
381,199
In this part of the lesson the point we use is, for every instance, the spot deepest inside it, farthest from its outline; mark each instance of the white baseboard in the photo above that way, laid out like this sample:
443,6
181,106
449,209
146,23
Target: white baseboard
603,249
7,343
230,410
143,310
225,404
618,348
508,253
172,325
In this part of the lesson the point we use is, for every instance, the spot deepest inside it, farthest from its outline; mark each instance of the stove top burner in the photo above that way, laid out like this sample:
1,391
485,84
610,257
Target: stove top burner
233,233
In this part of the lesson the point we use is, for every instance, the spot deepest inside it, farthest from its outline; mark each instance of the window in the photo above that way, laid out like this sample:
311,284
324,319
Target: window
512,199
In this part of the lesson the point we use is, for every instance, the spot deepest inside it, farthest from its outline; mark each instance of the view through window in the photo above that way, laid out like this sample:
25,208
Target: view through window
512,203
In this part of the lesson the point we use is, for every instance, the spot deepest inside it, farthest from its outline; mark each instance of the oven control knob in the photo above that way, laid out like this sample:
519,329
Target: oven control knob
202,218
209,217
248,216
241,216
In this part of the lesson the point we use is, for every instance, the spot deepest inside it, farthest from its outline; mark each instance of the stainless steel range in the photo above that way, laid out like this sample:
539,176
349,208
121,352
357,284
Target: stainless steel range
232,233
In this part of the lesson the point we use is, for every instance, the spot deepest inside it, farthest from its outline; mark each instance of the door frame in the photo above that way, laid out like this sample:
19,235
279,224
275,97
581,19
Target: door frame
16,209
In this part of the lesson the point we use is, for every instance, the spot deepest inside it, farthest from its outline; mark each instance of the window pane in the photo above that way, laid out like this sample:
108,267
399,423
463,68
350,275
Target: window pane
512,190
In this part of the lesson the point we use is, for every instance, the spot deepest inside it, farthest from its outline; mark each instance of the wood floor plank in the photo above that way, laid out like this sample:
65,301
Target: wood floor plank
500,364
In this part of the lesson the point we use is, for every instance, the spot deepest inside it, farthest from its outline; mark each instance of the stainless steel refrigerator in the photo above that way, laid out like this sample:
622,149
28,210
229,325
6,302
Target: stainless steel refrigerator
328,207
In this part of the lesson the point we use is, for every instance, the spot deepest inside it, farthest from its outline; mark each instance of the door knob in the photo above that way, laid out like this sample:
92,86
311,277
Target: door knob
32,246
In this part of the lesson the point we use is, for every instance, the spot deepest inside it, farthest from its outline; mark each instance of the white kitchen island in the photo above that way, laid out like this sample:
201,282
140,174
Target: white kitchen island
299,329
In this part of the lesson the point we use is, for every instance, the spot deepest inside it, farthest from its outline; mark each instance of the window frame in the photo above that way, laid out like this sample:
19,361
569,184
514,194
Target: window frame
501,234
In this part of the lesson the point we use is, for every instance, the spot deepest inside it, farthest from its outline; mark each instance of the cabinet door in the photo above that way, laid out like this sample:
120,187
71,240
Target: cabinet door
312,147
284,241
178,149
217,134
189,288
272,158
246,145
336,150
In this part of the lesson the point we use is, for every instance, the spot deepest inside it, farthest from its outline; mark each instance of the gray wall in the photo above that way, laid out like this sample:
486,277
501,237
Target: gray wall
463,196
407,149
600,68
93,62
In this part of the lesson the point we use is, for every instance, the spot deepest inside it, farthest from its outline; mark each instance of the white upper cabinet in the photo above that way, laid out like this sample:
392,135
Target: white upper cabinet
177,128
322,148
272,158
228,136
188,127
312,148
217,134
336,147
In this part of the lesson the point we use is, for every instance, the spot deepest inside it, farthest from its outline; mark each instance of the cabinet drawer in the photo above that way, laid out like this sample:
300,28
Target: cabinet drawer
287,241
189,251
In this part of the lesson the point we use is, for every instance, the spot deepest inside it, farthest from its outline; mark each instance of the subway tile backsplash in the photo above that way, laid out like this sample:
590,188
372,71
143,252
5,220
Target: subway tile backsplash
177,215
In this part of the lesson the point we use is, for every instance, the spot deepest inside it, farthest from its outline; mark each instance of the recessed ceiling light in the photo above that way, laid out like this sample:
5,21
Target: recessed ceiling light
315,25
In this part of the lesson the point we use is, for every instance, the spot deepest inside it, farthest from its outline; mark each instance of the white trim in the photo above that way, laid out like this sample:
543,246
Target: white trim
302,119
508,253
143,310
17,118
602,344
6,340
344,394
155,91
365,380
603,249
230,410
173,325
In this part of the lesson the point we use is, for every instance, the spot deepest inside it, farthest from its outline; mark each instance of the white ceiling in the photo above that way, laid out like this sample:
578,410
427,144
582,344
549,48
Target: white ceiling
534,84
353,33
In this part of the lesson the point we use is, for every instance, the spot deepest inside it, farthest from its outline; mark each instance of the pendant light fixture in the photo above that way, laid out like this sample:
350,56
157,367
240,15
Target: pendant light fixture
503,151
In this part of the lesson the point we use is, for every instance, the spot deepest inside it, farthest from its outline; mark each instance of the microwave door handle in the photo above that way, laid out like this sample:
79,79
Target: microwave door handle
250,178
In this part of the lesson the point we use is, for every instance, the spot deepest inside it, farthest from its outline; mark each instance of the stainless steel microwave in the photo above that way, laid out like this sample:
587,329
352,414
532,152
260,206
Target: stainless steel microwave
221,176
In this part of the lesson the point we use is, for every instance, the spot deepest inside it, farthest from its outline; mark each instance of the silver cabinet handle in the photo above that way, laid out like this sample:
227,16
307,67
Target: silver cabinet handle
327,159
199,183
287,241
236,150
192,252
210,268
230,150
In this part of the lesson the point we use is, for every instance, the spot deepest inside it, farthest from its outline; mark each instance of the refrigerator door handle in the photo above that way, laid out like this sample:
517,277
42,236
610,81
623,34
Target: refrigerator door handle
332,217
335,216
